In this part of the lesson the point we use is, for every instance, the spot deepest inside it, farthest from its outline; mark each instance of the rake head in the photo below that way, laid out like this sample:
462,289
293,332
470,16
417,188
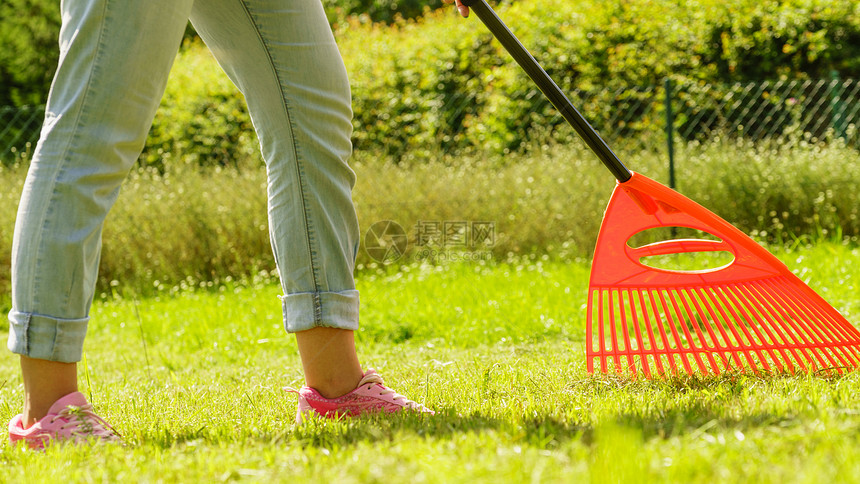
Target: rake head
751,313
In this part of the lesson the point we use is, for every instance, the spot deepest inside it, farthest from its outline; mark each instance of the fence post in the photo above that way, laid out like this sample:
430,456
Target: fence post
837,106
670,131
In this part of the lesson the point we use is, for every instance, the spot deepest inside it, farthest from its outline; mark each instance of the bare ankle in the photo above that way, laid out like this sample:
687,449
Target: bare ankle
329,360
45,382
336,387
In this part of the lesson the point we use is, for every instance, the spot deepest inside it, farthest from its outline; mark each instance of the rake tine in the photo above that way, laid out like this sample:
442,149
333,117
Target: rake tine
746,345
600,339
824,337
786,336
710,303
631,364
813,307
654,340
687,335
800,331
778,341
642,351
702,339
820,306
664,338
654,347
642,355
672,325
748,308
837,345
616,358
837,332
782,328
698,301
589,344
759,344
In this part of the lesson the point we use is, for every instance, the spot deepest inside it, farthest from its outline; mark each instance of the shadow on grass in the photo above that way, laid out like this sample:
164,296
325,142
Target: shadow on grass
380,428
686,407
331,434
691,405
540,432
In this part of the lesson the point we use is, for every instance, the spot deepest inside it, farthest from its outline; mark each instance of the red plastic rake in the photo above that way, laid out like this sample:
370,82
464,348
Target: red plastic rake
750,313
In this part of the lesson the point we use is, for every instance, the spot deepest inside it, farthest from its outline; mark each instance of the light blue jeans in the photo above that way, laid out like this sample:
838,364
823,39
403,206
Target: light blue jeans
114,63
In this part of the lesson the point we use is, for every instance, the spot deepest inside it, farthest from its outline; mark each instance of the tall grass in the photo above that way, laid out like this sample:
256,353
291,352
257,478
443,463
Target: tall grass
189,226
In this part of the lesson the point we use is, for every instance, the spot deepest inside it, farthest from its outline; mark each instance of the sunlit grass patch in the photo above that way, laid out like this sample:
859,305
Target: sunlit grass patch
194,380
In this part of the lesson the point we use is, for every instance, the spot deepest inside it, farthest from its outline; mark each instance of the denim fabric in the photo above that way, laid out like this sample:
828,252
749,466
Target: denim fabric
115,57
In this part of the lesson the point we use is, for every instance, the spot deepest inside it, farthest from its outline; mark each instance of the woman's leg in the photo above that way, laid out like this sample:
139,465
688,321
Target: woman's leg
283,57
115,56
45,382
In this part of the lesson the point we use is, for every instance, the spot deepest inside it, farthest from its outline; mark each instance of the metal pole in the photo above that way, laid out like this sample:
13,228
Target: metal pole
837,106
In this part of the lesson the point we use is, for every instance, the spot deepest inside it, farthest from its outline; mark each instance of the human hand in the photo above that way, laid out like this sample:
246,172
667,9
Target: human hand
464,10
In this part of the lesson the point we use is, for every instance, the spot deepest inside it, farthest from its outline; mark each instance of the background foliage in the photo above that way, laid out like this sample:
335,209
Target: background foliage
28,50
190,226
385,11
29,30
413,81
406,77
410,77
583,45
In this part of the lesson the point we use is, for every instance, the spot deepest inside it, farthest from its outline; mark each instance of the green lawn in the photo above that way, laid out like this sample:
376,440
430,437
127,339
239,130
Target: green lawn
194,382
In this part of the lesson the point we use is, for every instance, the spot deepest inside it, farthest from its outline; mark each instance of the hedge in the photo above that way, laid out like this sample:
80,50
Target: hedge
29,30
406,76
414,80
409,78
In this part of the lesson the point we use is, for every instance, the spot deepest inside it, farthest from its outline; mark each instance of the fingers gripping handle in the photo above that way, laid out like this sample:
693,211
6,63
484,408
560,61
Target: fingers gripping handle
514,47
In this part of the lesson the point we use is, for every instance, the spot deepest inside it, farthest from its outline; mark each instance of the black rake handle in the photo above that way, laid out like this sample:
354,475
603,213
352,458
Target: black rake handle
514,47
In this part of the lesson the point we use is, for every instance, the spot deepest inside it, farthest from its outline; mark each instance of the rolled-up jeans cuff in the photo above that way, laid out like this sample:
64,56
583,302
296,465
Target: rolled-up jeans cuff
308,310
47,338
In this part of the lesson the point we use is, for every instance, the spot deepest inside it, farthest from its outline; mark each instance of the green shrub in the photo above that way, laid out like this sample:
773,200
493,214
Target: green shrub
202,116
29,30
410,80
760,39
29,50
385,11
441,83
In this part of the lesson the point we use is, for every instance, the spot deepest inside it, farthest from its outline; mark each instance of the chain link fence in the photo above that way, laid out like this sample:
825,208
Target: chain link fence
770,109
19,131
632,119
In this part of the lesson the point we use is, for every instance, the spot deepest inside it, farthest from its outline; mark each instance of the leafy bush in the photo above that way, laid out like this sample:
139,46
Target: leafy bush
385,11
202,116
415,80
409,80
29,30
29,51
757,39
